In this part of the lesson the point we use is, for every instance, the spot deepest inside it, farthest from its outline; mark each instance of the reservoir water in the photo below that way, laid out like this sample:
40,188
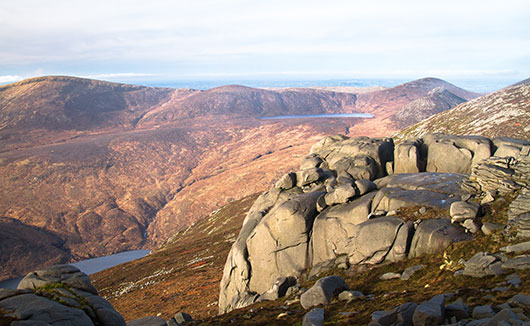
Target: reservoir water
326,115
93,265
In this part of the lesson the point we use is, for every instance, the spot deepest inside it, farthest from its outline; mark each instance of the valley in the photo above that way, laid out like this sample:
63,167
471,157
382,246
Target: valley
139,164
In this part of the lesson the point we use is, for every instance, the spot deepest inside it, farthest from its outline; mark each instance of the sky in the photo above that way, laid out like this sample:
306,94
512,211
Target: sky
132,41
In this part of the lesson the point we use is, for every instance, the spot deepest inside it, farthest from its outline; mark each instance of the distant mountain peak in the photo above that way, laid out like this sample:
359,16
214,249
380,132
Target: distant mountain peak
505,112
437,100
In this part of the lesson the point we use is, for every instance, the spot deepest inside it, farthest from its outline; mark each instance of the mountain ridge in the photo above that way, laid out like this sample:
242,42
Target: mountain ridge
151,170
505,112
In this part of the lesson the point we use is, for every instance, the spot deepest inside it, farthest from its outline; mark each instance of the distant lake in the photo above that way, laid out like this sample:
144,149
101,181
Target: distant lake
327,115
91,266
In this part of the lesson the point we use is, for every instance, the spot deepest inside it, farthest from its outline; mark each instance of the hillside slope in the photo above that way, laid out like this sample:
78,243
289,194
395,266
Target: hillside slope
237,100
502,113
60,102
182,275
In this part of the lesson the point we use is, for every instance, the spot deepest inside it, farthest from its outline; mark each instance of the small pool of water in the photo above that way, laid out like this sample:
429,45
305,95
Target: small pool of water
326,115
91,266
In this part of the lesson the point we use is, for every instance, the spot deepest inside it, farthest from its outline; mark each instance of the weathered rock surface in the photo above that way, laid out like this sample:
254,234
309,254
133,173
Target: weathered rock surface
501,174
67,274
407,157
148,321
315,317
430,312
506,146
454,154
519,213
60,295
485,311
279,243
401,315
435,235
461,211
519,262
342,204
458,310
483,264
322,291
279,288
368,151
379,239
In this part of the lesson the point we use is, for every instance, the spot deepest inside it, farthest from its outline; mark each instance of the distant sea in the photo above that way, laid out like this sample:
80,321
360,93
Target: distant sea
479,86
475,85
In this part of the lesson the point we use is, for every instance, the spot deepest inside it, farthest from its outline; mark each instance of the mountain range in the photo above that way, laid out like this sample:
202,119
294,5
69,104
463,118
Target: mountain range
139,164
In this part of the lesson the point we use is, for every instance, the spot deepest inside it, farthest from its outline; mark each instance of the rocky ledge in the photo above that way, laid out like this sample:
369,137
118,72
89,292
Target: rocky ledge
343,209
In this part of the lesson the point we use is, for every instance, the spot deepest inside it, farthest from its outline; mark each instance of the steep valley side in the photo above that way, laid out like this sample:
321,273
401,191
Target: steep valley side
137,189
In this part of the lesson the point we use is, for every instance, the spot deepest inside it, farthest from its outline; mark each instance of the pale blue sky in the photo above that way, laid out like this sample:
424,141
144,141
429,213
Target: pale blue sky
129,40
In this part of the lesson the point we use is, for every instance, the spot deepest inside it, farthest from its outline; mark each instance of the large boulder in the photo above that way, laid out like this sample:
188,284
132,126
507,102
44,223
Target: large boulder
67,274
407,157
59,295
449,184
435,235
312,161
334,226
33,309
360,166
390,199
323,291
278,244
340,194
235,292
483,264
437,190
379,239
335,148
454,154
311,175
505,146
315,317
430,313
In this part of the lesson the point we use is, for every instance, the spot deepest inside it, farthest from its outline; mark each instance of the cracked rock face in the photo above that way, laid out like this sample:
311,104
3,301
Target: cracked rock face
340,206
278,245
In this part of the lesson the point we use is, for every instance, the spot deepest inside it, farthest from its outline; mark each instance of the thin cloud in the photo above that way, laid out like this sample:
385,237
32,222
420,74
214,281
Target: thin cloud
121,75
10,79
238,36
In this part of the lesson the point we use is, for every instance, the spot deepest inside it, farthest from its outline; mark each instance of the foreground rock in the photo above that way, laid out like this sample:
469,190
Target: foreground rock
435,312
314,318
342,209
322,291
60,295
